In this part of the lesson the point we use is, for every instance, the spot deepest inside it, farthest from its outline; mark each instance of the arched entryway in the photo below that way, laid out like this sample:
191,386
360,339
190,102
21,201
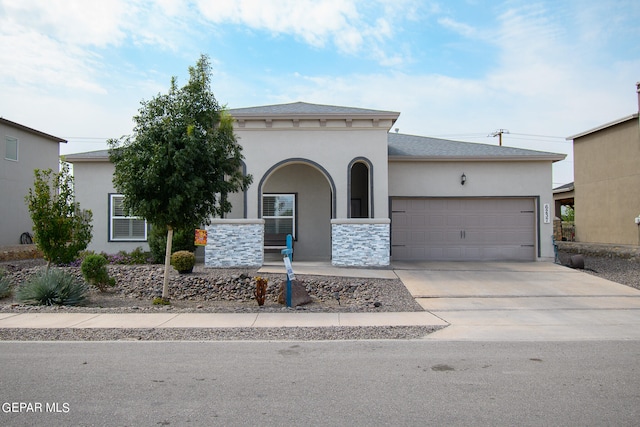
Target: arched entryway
297,196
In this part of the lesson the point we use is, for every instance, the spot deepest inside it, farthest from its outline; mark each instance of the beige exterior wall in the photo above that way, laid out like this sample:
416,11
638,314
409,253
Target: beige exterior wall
607,179
16,177
484,179
312,160
330,148
93,184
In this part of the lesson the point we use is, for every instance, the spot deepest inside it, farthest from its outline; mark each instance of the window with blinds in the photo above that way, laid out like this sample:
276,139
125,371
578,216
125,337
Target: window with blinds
279,214
123,227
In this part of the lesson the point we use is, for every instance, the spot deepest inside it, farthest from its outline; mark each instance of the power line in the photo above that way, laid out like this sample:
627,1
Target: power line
499,133
541,140
539,136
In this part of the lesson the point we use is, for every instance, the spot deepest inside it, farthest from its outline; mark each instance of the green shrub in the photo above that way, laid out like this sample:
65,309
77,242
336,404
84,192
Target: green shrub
94,271
183,261
183,240
61,229
161,301
5,285
138,256
52,287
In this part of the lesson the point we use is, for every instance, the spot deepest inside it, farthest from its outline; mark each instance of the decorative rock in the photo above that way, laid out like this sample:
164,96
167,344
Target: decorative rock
299,294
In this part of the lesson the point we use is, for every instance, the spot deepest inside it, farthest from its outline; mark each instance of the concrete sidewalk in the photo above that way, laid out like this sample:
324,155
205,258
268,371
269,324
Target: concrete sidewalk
214,320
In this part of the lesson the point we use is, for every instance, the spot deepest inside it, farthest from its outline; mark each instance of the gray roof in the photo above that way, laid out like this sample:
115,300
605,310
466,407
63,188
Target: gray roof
90,156
306,109
563,188
410,147
31,130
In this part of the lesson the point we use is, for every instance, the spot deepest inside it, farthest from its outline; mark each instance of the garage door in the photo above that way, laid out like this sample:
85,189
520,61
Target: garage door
463,229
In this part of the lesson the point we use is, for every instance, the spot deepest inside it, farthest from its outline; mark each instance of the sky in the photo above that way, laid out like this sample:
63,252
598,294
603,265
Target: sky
454,69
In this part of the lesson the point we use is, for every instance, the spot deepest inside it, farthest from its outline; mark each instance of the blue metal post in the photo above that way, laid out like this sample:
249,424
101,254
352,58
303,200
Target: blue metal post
289,253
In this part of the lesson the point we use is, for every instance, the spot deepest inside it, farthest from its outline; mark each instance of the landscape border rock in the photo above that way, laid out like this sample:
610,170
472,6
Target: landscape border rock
19,252
601,250
222,290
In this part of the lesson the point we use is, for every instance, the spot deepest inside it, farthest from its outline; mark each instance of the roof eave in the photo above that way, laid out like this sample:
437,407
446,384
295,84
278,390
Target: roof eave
544,158
312,116
85,159
31,130
602,127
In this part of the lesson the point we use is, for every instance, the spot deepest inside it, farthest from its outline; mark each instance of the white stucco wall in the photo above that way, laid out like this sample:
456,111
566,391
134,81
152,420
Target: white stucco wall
484,179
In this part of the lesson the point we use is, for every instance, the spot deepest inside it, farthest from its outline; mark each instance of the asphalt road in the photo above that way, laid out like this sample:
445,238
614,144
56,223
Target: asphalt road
372,383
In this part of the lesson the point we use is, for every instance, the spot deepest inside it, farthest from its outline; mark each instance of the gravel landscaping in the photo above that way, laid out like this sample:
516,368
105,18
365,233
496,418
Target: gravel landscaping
620,270
208,290
231,291
218,291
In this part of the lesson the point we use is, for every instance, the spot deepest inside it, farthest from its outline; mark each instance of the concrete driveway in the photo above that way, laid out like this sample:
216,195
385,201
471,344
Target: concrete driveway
538,301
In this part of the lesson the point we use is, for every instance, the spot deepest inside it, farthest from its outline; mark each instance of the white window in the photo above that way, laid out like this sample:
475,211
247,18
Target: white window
11,149
123,227
279,214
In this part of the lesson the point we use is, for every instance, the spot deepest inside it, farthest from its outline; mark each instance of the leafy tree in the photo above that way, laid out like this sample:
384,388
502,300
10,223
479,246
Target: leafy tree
182,159
568,214
183,240
61,228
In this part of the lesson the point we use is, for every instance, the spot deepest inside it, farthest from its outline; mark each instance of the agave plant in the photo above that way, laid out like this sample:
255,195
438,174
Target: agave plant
52,287
5,285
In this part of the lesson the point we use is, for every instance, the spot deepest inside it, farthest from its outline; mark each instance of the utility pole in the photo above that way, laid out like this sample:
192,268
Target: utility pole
499,133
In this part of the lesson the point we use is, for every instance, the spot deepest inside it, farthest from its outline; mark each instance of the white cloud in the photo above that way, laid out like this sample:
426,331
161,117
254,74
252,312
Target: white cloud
316,22
458,27
76,22
31,58
344,23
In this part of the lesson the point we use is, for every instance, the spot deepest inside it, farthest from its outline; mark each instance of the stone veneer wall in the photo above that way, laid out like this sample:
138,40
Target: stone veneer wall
234,243
360,242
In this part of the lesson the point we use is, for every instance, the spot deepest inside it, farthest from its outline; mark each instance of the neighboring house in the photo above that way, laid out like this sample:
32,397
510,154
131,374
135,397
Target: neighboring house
353,193
563,196
22,150
606,169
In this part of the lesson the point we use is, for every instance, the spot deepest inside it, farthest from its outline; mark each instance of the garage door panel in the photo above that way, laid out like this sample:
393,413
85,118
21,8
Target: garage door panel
463,229
416,220
454,221
418,237
399,220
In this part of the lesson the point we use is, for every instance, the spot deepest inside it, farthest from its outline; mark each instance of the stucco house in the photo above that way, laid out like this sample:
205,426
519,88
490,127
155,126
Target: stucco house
22,149
606,169
355,194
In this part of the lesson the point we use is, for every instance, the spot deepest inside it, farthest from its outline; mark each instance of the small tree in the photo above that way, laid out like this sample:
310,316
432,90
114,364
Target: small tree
182,159
568,214
61,228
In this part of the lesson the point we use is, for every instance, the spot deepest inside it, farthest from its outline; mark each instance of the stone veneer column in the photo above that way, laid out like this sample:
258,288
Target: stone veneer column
360,242
234,243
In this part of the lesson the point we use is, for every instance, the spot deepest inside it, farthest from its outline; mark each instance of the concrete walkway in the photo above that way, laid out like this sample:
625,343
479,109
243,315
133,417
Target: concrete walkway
234,320
213,320
522,302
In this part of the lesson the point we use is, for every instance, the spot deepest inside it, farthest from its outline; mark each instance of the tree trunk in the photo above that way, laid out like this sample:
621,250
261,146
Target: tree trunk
167,263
